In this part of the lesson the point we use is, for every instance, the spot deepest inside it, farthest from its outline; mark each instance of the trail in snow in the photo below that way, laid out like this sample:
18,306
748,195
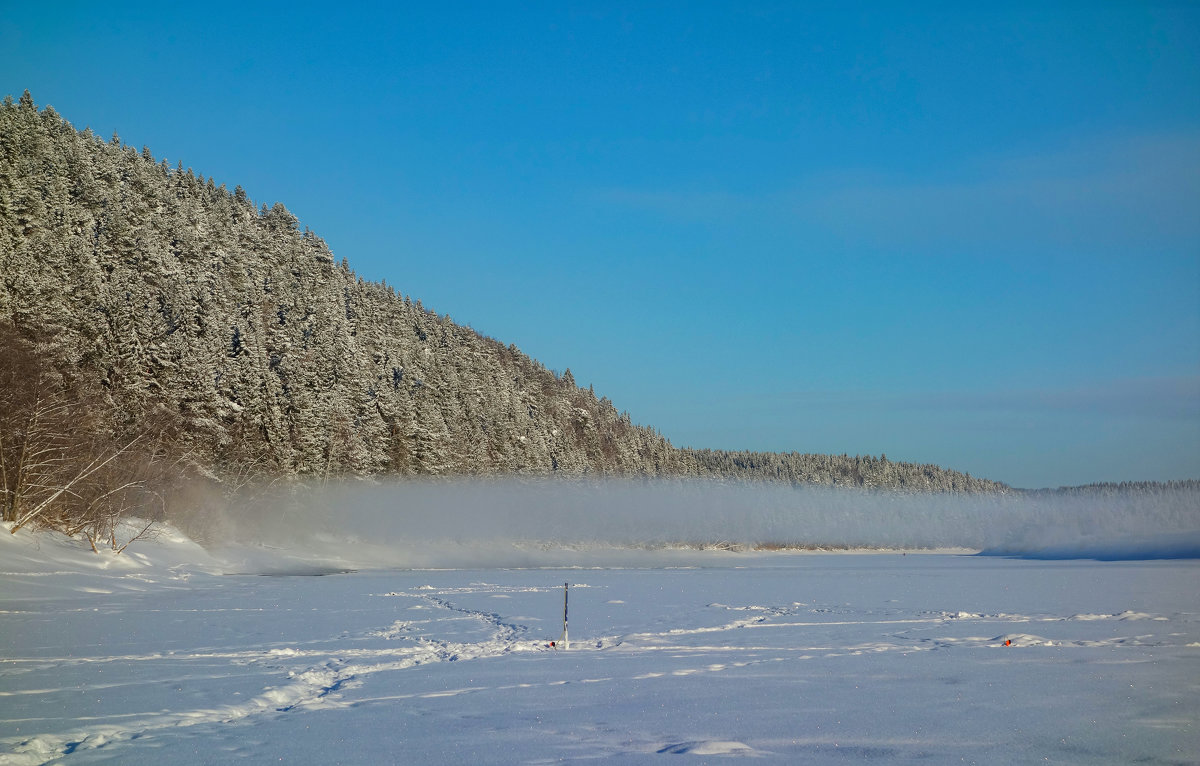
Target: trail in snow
307,687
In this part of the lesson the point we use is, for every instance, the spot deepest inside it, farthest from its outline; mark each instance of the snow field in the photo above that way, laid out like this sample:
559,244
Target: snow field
778,658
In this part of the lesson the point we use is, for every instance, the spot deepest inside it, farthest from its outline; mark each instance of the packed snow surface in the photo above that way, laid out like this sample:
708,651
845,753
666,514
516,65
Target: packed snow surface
168,653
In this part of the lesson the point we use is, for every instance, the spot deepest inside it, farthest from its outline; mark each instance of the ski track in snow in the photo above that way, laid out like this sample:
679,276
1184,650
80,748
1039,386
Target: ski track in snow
315,678
305,688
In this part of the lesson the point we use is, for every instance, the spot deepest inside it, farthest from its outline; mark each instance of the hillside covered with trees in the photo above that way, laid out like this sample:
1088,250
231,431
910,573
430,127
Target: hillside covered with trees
157,328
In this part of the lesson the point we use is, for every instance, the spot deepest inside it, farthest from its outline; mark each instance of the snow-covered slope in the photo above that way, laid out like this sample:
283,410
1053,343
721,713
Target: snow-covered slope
39,564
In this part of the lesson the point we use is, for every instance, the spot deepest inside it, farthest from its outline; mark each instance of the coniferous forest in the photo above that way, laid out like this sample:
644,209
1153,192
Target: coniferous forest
159,330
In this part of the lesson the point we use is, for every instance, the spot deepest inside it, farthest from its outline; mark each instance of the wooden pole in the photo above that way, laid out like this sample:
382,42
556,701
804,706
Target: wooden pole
566,641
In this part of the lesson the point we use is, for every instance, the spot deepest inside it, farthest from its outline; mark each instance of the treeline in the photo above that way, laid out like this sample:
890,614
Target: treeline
205,332
1104,489
859,471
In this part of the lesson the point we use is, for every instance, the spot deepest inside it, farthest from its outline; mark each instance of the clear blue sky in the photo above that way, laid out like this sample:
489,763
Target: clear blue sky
962,236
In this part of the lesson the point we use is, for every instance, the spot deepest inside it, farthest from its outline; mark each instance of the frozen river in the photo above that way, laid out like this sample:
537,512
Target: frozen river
781,658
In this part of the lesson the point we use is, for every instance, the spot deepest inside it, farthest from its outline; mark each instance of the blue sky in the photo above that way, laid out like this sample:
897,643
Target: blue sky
952,235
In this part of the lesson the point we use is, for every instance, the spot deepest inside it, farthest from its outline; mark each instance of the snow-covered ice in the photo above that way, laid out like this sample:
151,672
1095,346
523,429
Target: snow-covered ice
158,656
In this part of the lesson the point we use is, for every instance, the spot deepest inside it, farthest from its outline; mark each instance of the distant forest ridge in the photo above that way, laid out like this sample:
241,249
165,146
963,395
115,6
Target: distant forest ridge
172,319
1123,488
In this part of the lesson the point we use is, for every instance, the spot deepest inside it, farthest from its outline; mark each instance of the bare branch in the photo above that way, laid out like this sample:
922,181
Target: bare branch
91,469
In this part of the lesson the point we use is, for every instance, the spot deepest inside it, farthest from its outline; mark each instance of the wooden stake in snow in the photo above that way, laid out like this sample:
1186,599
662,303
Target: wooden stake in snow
565,641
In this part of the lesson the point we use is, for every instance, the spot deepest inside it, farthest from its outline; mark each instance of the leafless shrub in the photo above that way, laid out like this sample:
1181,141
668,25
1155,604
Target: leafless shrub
68,462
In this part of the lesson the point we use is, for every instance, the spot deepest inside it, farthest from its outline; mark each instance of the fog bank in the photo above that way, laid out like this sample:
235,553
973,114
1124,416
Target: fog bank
513,522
